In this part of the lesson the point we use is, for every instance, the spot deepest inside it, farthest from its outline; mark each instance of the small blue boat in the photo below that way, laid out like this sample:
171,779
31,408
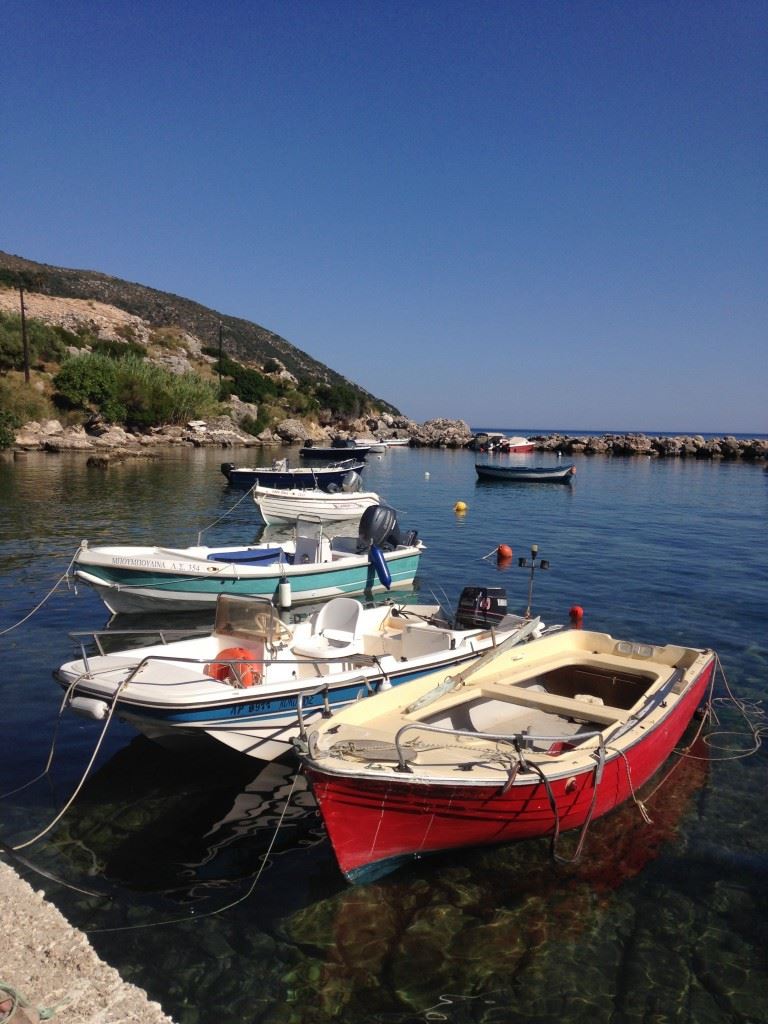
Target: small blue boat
526,474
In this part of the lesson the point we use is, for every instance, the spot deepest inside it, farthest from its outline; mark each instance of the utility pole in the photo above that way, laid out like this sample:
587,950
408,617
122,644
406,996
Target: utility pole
24,342
221,355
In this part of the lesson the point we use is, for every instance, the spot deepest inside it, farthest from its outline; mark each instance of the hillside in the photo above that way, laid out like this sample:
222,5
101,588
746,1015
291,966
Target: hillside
248,343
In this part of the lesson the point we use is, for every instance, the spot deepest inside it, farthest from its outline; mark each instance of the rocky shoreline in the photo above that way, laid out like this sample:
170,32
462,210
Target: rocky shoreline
104,442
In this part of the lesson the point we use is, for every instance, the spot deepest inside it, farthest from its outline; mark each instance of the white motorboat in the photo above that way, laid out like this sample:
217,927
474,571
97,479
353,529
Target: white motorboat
242,684
286,505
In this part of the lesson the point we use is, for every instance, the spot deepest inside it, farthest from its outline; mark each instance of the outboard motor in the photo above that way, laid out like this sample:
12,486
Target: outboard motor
376,523
481,607
351,482
226,468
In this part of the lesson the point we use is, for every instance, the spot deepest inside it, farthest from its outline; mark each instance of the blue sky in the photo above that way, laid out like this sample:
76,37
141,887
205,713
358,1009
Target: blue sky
525,214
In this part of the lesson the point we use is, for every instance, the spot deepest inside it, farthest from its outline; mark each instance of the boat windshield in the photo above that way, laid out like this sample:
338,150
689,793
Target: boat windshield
249,618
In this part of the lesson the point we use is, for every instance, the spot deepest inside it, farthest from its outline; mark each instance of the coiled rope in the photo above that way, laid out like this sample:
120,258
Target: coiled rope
12,1000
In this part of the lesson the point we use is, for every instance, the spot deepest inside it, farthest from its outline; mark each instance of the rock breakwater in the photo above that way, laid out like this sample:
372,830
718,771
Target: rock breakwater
693,446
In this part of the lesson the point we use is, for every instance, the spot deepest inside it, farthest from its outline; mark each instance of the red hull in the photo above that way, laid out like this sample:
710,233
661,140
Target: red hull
373,823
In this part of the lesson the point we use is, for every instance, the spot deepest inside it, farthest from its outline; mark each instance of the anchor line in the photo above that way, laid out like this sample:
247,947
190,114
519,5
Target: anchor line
81,783
39,605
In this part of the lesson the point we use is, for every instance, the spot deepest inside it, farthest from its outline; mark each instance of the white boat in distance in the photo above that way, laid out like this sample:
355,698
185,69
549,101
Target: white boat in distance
286,505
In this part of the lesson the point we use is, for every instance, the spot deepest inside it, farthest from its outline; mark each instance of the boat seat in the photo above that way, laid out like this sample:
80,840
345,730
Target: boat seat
336,632
570,707
311,550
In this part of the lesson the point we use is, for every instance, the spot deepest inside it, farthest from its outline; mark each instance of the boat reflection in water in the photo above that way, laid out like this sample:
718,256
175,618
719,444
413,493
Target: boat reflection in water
151,821
155,822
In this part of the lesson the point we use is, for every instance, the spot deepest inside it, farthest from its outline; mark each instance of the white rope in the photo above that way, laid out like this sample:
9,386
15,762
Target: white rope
40,604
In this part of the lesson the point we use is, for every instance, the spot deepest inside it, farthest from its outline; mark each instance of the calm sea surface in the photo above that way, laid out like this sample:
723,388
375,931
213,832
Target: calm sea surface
215,889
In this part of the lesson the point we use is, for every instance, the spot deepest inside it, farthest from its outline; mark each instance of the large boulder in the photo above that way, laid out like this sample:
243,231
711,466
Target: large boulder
442,433
292,431
240,410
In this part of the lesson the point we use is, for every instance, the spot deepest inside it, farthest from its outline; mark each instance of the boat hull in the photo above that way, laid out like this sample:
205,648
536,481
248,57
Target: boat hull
286,506
262,727
304,477
173,694
524,474
375,824
126,589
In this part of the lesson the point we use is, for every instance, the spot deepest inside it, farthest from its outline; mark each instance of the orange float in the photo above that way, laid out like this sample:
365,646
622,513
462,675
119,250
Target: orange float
503,554
227,668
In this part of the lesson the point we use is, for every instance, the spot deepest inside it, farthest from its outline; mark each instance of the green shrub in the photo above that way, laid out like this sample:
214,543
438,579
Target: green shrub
255,426
342,399
153,396
9,424
45,343
132,391
85,381
23,402
118,349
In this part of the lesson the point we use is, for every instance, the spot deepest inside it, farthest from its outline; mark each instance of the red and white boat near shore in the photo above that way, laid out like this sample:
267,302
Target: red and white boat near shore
486,442
534,739
517,446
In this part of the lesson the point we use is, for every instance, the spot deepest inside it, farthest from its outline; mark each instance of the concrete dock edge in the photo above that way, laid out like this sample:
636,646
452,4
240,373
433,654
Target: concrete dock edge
53,965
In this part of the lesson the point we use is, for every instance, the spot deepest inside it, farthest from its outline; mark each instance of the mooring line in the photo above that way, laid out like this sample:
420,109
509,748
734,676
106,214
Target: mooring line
40,604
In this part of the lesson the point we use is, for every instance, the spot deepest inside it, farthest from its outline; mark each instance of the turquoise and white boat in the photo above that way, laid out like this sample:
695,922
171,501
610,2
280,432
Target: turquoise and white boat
312,565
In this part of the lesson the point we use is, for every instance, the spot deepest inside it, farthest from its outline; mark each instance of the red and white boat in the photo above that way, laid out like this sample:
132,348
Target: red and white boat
534,739
486,442
517,445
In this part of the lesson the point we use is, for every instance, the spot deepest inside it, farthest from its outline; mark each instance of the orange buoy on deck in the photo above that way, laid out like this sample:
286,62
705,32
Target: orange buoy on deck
226,669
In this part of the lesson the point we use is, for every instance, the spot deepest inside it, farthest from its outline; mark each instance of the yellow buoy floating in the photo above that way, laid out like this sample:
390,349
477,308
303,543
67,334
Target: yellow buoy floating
460,506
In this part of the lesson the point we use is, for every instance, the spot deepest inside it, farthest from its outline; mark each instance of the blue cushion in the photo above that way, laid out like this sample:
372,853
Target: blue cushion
266,556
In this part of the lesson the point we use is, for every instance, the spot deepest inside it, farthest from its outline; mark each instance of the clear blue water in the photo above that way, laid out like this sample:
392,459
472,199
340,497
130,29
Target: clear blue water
659,922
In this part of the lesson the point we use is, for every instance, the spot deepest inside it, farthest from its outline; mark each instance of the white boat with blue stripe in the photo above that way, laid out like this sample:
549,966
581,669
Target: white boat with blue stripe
241,684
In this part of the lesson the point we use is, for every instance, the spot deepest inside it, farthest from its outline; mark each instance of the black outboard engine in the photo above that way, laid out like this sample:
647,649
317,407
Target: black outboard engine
481,607
376,523
226,468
